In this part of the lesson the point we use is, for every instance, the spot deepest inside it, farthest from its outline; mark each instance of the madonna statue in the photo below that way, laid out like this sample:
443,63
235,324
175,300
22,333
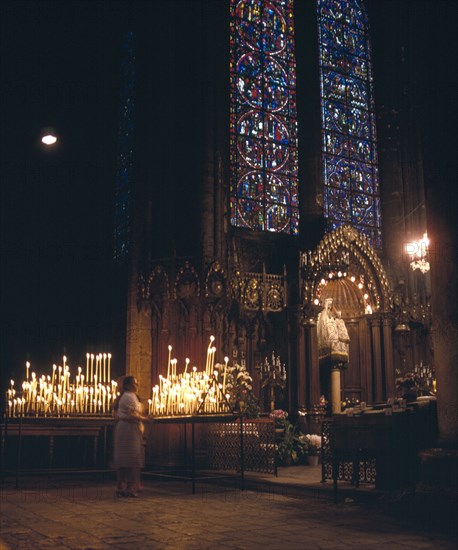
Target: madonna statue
333,339
333,351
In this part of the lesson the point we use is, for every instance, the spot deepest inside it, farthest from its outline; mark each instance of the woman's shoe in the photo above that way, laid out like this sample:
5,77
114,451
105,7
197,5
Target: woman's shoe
120,494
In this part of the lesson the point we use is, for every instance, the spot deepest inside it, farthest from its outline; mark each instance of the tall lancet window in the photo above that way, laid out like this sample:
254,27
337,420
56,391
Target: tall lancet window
125,146
351,184
263,116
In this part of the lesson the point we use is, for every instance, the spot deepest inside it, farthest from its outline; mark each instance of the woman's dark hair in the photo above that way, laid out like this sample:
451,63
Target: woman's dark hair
127,382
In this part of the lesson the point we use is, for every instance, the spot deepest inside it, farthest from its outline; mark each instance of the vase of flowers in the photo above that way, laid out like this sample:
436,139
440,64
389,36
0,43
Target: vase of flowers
312,448
280,418
313,460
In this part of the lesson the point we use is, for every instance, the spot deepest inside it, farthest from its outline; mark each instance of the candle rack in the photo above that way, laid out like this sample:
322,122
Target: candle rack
193,393
60,395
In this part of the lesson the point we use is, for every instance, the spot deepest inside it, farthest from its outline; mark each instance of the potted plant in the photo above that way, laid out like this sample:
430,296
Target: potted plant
313,448
291,448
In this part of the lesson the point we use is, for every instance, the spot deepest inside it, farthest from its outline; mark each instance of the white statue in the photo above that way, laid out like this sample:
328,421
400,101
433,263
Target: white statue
333,339
333,347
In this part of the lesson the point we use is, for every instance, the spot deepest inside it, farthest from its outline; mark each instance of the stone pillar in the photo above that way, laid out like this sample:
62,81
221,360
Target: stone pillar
139,348
335,391
301,396
377,358
387,323
312,364
444,273
138,332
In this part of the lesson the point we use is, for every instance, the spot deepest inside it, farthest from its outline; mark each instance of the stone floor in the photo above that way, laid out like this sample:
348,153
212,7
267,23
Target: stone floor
293,511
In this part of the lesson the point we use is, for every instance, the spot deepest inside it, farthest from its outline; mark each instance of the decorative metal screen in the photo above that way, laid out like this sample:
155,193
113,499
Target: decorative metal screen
224,446
367,465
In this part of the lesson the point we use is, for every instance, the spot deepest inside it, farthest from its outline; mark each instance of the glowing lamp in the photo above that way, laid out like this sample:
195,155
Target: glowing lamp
48,136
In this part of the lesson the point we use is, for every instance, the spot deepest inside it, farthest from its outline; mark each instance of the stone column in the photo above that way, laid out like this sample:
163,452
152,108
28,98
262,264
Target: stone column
335,391
301,362
377,358
387,323
444,273
312,365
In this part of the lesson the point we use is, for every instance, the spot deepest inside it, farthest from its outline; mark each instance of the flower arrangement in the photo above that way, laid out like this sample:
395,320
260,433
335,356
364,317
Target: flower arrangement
409,385
279,417
312,444
239,389
421,380
409,381
321,407
349,403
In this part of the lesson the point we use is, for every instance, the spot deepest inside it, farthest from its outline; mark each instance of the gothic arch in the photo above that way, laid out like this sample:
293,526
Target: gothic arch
347,254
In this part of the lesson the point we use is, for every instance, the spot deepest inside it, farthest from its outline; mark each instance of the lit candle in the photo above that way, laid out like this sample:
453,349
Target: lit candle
208,368
91,372
212,360
207,364
226,360
87,365
109,375
168,362
104,372
54,367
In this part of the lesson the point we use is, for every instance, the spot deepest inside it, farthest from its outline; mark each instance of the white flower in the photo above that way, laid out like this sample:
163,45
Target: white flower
314,440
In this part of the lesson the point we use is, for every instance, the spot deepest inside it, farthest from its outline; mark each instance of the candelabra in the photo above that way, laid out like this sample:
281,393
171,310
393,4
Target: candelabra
414,308
273,375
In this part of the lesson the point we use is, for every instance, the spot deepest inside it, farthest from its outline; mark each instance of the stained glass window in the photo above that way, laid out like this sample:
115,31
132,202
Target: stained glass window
125,145
351,185
263,130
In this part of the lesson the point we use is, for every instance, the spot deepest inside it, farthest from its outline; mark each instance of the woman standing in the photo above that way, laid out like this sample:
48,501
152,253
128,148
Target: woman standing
128,439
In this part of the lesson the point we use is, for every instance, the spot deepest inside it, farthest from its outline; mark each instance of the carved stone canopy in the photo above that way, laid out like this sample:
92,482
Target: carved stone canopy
345,264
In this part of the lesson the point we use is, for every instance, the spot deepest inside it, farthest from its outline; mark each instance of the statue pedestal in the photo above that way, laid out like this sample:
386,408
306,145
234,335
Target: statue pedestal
335,391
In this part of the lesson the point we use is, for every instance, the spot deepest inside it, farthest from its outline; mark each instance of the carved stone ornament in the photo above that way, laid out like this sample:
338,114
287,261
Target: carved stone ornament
359,262
275,298
187,284
215,283
252,297
158,285
155,288
260,291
